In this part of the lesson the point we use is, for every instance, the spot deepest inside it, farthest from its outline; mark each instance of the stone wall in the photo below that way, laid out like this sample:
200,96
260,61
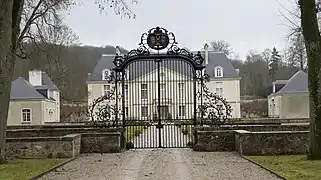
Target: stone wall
271,143
253,143
44,147
57,131
272,120
221,140
100,142
258,128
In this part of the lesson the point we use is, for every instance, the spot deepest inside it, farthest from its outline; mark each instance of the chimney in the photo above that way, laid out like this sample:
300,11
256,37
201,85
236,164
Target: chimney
273,88
35,77
117,50
237,71
206,53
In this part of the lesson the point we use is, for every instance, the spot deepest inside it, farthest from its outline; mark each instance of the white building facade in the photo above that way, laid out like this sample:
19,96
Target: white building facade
168,90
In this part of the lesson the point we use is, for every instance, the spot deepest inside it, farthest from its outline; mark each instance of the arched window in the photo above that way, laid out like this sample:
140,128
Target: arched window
105,74
218,71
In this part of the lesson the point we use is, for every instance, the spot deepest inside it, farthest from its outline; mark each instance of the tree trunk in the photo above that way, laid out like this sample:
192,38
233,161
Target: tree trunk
10,17
5,43
312,42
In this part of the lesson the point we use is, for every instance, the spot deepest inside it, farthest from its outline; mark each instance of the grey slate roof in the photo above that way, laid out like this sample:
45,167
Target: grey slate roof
296,84
106,61
220,59
143,67
22,89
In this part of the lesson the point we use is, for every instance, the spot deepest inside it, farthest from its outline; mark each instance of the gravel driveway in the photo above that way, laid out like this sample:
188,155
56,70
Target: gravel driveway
172,136
160,164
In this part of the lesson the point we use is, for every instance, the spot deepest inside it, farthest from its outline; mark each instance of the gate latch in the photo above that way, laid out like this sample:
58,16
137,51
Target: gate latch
159,126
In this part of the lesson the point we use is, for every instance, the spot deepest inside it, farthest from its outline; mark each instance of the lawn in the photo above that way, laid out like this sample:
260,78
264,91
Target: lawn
133,131
24,169
291,167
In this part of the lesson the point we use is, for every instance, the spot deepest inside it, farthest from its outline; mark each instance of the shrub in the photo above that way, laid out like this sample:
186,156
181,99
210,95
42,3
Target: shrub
256,107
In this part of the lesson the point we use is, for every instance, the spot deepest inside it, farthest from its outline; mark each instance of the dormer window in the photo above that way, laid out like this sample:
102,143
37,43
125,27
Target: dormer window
106,74
218,71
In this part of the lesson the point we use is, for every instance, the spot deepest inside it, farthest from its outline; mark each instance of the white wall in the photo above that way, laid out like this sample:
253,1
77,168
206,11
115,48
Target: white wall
47,107
274,102
56,96
231,92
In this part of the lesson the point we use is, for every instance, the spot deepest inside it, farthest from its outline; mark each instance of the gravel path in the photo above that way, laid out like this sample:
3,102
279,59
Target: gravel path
172,136
160,164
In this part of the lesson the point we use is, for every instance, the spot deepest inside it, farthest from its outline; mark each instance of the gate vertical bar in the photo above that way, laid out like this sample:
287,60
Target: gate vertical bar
195,108
123,102
158,105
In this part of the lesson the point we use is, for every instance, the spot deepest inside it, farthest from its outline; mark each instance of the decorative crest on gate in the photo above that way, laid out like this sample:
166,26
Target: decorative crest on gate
158,39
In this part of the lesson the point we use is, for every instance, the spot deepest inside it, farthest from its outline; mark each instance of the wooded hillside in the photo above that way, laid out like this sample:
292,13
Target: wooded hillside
68,66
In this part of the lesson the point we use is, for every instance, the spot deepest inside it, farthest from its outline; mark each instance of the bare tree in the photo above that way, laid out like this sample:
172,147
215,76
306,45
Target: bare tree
311,34
221,46
11,38
297,52
38,16
50,52
266,56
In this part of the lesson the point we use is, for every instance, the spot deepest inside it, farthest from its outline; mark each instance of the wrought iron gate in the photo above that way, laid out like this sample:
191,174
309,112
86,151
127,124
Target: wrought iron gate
159,95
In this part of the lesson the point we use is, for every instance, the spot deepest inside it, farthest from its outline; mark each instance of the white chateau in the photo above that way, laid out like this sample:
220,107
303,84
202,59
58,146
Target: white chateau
176,90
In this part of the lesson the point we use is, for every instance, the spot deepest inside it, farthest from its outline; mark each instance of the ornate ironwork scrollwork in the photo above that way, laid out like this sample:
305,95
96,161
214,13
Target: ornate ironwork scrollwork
214,110
158,39
102,111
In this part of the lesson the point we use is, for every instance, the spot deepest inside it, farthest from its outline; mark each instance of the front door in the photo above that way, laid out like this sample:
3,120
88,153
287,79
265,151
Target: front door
163,112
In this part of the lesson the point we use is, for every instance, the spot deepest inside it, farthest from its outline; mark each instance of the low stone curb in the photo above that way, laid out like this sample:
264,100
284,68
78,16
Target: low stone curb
53,168
264,167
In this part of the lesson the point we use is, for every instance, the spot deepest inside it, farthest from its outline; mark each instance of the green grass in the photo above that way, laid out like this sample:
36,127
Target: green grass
291,167
133,131
189,129
26,168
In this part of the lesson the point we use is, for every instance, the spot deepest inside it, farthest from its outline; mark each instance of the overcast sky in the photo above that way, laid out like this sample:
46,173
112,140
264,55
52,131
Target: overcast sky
245,24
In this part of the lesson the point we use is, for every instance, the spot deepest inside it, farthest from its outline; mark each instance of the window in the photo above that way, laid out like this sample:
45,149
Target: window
181,111
51,111
218,71
162,88
219,89
26,115
144,111
126,92
105,74
106,90
180,90
144,92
